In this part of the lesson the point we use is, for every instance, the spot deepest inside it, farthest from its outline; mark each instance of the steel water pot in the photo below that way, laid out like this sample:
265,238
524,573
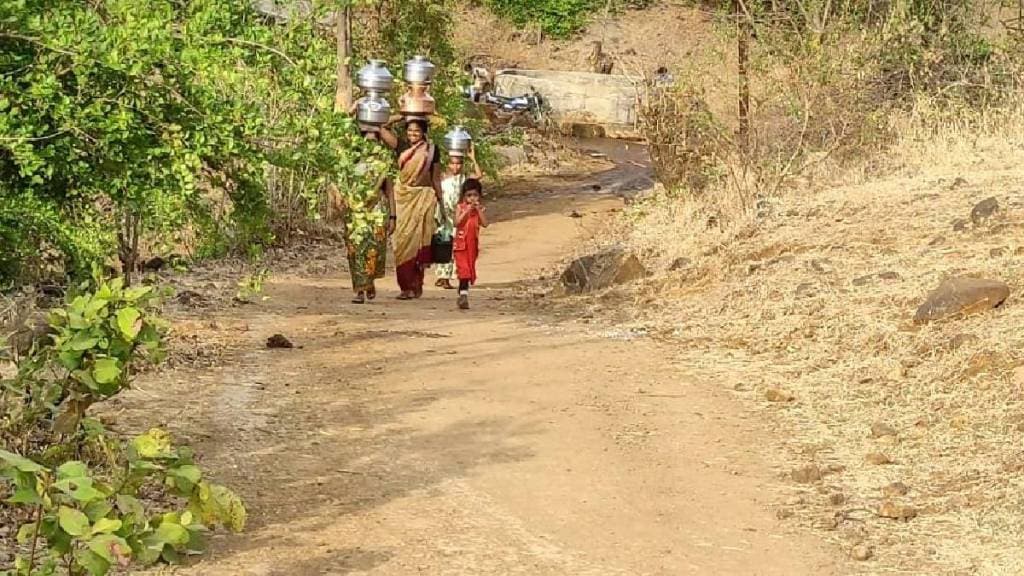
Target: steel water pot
373,109
419,70
458,140
375,76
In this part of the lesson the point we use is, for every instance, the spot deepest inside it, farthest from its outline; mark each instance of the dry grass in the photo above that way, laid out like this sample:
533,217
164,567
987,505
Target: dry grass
772,303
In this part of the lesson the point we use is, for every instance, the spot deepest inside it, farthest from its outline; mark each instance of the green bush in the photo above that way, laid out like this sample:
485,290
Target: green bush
124,122
84,499
558,18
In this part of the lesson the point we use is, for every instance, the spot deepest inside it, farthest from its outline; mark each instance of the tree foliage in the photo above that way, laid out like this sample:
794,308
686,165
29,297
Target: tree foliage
85,499
123,119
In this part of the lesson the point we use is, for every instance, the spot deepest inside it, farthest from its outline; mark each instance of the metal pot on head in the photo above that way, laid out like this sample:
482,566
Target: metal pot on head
458,141
418,102
375,77
373,109
419,70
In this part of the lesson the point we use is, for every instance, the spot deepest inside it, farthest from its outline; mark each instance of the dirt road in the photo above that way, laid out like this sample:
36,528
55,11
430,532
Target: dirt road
408,438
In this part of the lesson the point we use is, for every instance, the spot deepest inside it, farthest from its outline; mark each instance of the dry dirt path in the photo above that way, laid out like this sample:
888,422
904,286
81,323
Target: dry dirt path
409,438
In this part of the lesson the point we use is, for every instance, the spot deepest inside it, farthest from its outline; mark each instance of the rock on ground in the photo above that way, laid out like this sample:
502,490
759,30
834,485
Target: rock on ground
962,297
602,270
984,211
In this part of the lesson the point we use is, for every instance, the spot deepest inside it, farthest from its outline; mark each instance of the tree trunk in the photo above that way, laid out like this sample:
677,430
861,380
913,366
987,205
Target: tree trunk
128,244
343,25
743,58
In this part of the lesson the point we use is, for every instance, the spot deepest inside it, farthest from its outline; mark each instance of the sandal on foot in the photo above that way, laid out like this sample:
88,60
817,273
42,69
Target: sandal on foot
371,293
359,299
463,302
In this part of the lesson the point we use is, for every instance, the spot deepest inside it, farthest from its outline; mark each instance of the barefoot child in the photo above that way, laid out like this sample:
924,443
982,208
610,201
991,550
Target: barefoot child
470,216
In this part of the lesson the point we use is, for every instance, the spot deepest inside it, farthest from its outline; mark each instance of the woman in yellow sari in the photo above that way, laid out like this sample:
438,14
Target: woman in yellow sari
367,250
416,197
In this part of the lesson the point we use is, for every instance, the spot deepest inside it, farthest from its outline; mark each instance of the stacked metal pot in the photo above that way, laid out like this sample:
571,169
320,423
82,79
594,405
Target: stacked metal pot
417,101
373,109
376,81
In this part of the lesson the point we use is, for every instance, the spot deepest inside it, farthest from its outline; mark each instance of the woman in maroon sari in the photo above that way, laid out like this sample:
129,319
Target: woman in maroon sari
416,197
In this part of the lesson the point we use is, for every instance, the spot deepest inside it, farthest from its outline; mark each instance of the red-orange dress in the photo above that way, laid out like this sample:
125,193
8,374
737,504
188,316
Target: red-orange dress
467,245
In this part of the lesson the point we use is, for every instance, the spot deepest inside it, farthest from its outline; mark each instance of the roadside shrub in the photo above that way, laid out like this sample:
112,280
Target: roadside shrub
85,500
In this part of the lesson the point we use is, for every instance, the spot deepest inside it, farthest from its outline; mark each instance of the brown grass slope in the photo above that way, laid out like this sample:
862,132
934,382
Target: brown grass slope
817,300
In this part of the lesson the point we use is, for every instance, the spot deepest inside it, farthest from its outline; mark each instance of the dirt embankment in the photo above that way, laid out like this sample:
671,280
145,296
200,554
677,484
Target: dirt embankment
902,438
639,41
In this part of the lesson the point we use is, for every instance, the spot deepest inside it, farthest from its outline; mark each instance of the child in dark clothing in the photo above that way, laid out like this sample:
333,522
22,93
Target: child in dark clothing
470,217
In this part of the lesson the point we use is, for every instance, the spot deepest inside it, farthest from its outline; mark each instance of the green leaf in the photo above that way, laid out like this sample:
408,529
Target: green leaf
111,548
214,504
187,476
82,342
72,469
130,505
171,533
106,370
20,462
135,294
72,521
26,533
147,551
129,321
93,563
70,359
94,307
25,496
106,526
98,510
153,444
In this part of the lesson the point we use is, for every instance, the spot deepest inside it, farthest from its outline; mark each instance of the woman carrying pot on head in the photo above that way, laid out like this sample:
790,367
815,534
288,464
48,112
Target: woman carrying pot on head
451,192
367,250
417,195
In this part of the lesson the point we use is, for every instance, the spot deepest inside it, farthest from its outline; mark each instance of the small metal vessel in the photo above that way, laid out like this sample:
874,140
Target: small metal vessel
419,70
375,77
373,109
458,141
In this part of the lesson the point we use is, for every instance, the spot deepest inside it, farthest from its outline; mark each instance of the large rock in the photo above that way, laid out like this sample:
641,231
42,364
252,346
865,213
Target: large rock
27,332
984,211
961,297
601,270
510,156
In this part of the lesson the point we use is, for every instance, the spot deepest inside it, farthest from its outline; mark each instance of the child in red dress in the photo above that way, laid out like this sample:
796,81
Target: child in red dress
470,216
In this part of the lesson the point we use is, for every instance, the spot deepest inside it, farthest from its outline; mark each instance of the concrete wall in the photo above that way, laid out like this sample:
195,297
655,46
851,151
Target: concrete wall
578,97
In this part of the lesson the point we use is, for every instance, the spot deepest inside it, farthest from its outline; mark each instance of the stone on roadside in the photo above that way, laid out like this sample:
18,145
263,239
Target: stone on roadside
510,156
877,459
681,263
862,552
602,270
961,297
897,511
776,395
881,430
278,341
960,225
960,341
983,211
895,489
806,475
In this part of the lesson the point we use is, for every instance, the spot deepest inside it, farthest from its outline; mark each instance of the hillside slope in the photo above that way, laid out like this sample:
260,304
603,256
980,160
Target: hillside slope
808,314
